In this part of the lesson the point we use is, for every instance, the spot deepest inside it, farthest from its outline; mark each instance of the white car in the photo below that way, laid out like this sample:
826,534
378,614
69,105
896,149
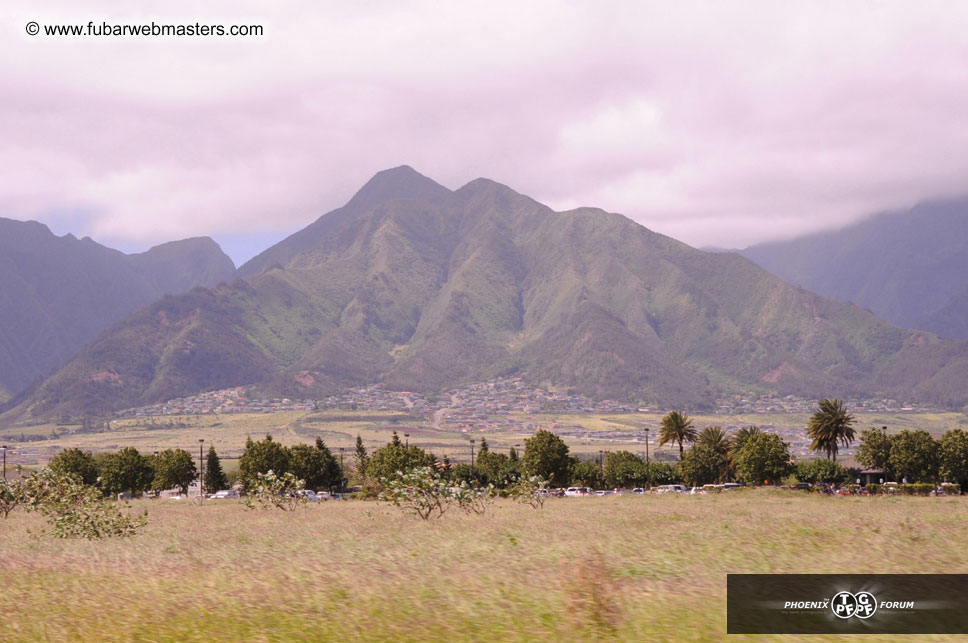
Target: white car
226,494
577,491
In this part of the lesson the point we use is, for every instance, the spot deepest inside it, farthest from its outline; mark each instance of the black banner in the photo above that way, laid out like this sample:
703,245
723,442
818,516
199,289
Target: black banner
847,604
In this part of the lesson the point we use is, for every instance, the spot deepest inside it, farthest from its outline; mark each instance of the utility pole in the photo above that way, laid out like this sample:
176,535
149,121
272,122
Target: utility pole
472,454
201,471
342,478
4,449
648,469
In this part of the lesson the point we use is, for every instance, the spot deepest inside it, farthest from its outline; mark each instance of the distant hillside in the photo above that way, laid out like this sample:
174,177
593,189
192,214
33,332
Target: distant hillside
911,268
58,293
420,288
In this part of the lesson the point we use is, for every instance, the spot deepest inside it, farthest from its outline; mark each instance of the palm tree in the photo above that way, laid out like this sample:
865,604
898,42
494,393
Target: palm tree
742,436
736,445
676,427
830,427
715,438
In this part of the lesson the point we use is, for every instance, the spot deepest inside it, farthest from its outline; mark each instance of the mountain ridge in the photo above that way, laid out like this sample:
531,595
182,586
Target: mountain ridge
909,266
58,293
436,288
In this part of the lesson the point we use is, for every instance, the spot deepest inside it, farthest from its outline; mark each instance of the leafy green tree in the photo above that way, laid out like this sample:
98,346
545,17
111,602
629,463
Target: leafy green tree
462,473
420,491
261,457
660,473
76,510
394,458
77,463
914,456
546,456
623,469
214,475
174,468
830,427
13,493
315,465
874,451
676,428
953,457
333,478
496,468
764,458
704,464
586,473
125,471
276,491
821,470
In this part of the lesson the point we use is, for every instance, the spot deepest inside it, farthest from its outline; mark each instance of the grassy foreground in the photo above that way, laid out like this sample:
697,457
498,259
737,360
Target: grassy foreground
622,568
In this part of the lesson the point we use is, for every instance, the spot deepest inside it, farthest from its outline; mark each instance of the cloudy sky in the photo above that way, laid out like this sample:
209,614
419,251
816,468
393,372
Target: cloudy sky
721,124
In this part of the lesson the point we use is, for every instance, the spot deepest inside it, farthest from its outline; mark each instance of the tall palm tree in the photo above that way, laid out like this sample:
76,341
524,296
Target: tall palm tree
715,438
830,426
676,427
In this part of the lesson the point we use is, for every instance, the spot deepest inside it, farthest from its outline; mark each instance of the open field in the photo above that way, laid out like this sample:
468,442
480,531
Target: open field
620,568
339,429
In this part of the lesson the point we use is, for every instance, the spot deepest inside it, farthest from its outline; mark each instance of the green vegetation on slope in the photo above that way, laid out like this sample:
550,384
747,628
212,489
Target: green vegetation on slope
422,288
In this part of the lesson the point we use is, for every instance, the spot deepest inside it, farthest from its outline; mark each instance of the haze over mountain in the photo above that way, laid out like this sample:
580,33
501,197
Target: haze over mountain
58,293
910,267
420,287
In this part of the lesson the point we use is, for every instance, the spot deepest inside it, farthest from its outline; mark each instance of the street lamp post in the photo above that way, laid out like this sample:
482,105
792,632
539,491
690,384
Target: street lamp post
4,449
648,469
201,471
342,478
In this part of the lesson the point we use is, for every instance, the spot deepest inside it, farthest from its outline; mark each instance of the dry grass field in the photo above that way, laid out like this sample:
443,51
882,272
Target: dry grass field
617,568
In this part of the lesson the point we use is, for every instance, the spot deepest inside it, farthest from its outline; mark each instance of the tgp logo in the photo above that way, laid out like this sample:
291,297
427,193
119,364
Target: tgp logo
860,605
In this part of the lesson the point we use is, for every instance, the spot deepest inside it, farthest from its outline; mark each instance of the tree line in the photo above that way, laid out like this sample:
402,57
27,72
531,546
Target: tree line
128,471
750,456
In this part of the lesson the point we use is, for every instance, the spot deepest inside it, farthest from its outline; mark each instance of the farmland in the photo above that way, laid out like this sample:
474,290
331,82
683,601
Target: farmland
621,568
585,433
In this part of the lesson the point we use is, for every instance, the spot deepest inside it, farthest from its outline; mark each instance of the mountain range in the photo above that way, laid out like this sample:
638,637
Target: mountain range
422,288
908,267
58,293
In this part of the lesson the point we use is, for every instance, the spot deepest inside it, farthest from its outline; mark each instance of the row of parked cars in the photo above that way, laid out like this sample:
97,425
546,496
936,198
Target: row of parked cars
661,489
309,494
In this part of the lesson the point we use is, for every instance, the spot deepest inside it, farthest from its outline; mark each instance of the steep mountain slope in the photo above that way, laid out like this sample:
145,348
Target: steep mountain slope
911,267
58,293
436,288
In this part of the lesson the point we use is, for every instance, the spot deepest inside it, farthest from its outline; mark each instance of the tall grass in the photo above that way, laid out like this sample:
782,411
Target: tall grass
622,568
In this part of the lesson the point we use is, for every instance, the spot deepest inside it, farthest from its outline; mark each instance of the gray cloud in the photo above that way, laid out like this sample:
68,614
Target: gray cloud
719,124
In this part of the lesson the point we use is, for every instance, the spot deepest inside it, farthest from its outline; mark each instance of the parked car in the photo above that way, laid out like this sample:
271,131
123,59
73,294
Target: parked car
577,491
670,488
696,491
638,490
226,494
803,486
309,494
